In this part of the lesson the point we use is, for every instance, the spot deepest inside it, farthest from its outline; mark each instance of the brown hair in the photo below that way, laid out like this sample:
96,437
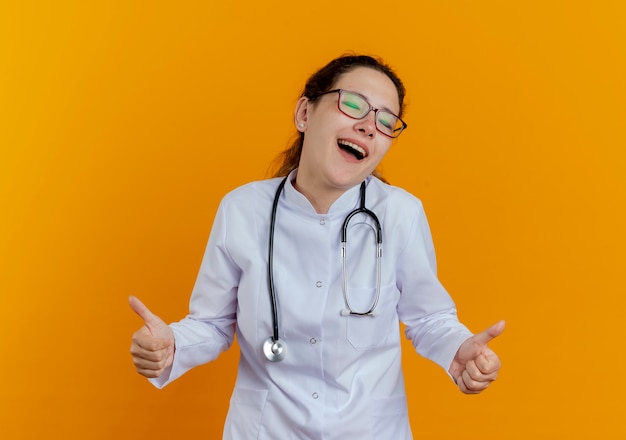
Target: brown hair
322,81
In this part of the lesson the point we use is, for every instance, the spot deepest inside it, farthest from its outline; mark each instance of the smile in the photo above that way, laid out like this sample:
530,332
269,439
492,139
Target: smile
351,147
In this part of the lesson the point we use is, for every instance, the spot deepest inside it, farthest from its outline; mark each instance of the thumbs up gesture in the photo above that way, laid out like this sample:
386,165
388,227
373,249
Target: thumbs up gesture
475,365
152,345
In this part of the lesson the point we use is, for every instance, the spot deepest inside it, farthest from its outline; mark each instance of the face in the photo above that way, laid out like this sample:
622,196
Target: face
340,152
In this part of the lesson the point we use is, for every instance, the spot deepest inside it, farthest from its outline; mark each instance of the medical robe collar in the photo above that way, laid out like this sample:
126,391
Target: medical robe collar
346,202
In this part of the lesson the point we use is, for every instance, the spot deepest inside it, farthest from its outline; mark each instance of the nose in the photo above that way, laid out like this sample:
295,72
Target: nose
367,125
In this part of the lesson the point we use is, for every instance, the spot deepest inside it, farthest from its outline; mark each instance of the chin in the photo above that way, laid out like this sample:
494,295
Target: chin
347,182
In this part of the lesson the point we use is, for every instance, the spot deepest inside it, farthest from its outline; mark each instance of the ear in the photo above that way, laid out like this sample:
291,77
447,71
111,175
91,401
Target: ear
301,113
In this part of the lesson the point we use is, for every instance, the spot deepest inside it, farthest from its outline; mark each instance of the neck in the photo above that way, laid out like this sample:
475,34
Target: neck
321,200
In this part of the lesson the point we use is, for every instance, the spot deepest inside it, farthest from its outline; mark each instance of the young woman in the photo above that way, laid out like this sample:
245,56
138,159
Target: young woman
314,270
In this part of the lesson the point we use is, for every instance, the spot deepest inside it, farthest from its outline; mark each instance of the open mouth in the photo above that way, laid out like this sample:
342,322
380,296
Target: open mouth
352,148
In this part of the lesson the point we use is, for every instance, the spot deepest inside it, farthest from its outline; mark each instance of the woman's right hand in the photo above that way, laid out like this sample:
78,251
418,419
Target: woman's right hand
153,344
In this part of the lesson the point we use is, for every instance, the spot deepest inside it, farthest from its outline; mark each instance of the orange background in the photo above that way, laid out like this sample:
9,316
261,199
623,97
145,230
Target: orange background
122,124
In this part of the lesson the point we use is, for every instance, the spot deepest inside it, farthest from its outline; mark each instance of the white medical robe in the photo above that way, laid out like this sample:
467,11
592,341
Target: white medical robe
341,377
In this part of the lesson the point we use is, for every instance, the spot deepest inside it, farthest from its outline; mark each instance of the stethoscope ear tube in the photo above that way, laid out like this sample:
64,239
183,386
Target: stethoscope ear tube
348,310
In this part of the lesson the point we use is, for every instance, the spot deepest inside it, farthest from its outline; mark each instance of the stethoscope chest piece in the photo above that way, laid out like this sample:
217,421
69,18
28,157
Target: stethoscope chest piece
274,350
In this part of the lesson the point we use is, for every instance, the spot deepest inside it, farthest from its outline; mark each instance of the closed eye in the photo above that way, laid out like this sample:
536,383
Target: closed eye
351,104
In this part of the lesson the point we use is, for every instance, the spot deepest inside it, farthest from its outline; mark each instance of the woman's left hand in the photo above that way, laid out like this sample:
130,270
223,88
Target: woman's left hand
475,365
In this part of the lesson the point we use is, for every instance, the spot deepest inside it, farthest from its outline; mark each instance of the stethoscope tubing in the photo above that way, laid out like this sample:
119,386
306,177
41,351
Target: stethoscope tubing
270,261
274,348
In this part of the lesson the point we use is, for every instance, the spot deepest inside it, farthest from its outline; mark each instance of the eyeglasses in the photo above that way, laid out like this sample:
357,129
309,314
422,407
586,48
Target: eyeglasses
356,106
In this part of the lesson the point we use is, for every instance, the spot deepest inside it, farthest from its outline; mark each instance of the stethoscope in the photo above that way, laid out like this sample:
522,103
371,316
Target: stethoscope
274,348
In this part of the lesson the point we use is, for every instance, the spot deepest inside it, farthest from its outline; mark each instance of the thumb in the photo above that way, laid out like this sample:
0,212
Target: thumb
150,319
485,336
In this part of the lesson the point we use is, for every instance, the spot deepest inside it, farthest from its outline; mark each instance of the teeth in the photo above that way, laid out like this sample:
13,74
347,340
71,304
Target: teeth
352,146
